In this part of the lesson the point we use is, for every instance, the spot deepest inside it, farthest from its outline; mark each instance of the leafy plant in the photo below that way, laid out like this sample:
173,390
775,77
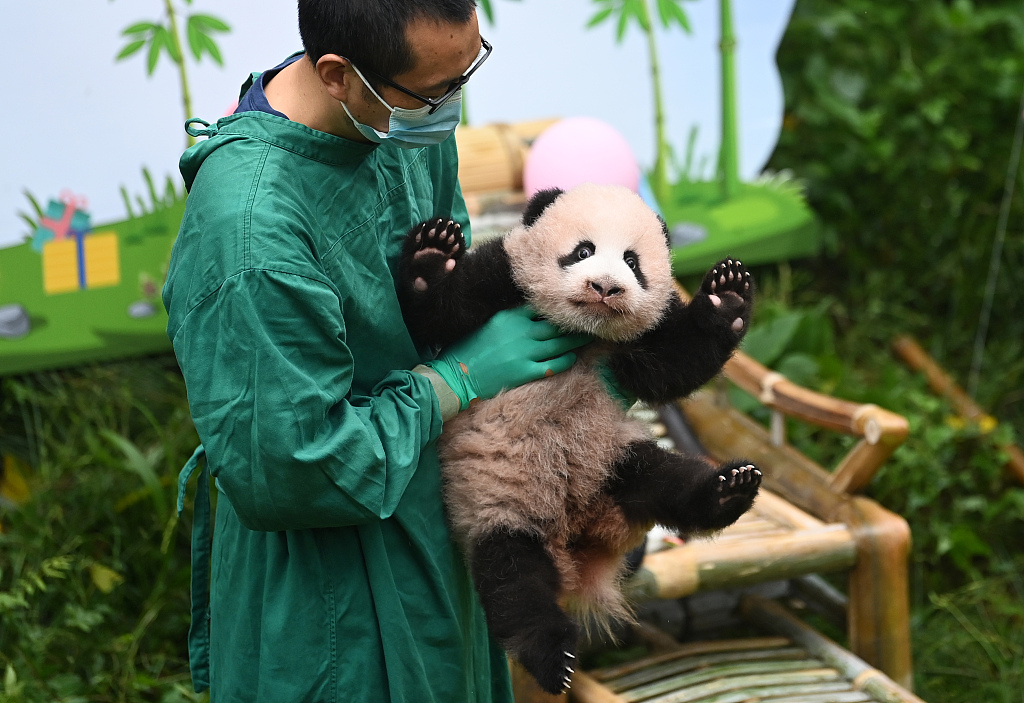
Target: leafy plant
31,219
488,9
94,579
670,12
900,119
174,192
162,37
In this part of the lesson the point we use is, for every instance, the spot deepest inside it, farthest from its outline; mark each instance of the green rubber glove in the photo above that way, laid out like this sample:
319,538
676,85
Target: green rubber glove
508,351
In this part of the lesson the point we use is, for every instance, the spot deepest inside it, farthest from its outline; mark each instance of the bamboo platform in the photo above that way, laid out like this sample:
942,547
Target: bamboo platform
788,663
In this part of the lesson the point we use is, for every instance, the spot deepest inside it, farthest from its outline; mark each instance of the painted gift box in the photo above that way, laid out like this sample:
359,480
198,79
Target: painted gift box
64,218
74,258
82,261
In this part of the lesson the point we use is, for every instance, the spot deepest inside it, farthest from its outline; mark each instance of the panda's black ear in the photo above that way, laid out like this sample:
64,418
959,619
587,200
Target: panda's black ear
539,203
664,229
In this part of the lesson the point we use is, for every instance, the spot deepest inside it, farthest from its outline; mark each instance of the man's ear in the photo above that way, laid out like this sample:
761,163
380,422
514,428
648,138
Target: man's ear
337,76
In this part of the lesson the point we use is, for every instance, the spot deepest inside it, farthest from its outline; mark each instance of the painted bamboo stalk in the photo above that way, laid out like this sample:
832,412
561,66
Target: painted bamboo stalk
660,183
942,383
179,59
775,618
728,155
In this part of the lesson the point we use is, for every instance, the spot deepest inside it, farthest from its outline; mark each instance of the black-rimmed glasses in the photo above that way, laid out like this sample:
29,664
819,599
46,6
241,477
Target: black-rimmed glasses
453,88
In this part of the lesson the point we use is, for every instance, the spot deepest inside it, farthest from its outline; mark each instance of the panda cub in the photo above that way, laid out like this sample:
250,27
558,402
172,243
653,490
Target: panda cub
549,485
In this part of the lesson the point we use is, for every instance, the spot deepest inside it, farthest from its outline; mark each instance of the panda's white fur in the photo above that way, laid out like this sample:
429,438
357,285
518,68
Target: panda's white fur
536,458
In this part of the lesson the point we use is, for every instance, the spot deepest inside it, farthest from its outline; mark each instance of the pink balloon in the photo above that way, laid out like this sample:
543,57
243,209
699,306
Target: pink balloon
580,150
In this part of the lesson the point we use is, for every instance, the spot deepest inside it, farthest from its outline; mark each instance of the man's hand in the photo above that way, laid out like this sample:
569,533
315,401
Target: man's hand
513,348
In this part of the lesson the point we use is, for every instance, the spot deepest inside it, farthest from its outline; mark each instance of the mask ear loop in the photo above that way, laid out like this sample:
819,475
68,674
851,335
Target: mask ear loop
367,84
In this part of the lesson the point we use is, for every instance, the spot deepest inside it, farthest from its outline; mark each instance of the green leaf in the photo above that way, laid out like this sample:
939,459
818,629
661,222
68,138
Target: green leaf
129,49
620,30
209,22
210,45
154,54
485,5
143,465
638,9
194,42
672,11
139,28
600,16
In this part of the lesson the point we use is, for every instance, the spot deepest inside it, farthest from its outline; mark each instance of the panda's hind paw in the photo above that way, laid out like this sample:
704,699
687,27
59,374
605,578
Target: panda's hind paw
550,658
432,249
737,486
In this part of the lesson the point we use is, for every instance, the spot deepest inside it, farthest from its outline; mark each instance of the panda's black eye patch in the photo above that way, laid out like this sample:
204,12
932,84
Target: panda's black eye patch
583,250
633,262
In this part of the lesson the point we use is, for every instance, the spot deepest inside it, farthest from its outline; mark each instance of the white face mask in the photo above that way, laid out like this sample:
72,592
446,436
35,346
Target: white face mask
412,129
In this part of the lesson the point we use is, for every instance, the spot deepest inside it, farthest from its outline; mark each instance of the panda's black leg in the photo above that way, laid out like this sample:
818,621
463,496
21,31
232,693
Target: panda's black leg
682,491
518,586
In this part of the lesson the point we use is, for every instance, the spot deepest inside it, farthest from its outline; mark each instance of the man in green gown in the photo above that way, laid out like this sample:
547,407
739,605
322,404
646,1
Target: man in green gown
331,575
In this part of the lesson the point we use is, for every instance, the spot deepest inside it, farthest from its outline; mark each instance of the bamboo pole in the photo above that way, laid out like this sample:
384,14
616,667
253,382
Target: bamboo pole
878,617
942,383
775,618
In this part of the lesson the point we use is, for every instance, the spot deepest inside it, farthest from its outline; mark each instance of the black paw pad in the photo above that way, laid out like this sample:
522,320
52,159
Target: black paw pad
431,251
738,483
730,288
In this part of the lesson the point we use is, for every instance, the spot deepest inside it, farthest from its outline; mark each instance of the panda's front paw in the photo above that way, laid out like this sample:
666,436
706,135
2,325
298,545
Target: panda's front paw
737,486
431,251
729,288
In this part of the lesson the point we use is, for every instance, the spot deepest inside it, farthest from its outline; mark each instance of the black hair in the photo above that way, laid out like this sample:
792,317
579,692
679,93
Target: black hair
371,33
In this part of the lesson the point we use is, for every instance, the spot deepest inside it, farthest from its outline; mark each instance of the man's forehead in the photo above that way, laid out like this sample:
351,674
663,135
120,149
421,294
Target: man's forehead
441,52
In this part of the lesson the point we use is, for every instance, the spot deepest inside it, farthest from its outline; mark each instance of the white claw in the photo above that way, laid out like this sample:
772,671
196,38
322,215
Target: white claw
735,471
757,472
571,656
721,478
570,670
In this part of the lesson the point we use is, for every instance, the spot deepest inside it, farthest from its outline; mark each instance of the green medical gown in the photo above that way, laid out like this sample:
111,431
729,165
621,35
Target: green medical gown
333,575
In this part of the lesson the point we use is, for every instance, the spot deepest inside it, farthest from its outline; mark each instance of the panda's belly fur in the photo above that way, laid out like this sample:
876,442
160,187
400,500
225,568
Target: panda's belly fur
536,459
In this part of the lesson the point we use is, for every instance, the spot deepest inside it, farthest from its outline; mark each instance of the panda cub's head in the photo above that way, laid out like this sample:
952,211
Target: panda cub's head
593,259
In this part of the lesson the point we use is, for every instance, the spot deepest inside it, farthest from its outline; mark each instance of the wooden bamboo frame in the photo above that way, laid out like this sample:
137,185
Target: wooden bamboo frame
789,652
774,618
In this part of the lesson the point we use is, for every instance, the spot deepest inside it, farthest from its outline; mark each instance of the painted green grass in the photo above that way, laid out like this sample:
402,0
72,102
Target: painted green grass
90,325
763,223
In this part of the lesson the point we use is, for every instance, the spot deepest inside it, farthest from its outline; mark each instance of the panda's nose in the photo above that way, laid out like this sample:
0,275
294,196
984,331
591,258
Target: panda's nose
611,290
